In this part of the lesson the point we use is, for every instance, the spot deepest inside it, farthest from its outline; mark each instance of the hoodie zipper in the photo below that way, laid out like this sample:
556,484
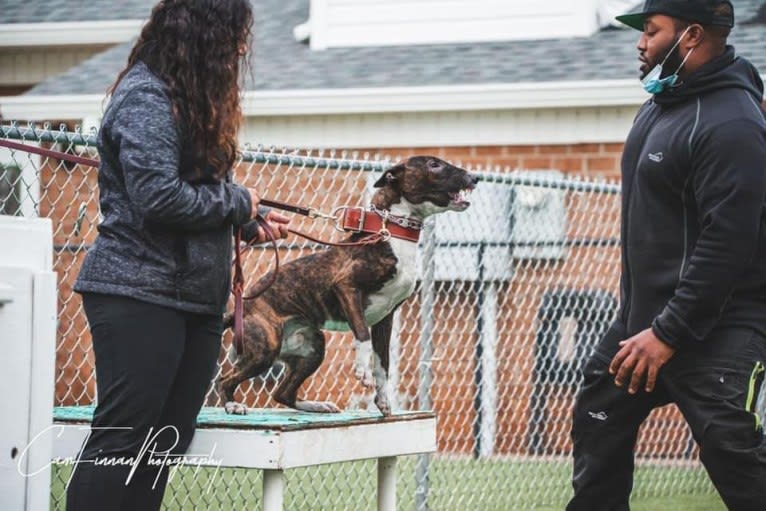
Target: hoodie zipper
684,194
629,279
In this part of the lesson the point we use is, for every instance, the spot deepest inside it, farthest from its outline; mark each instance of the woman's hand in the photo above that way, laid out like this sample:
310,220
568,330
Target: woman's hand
253,232
255,200
278,224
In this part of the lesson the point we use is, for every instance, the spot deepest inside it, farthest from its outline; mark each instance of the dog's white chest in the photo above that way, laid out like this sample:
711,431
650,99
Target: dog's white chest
399,287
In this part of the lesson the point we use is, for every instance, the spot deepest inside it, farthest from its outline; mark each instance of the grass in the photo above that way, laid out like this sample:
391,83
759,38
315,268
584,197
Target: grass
455,485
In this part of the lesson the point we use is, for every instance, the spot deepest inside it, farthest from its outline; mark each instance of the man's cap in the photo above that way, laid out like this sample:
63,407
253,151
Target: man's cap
704,12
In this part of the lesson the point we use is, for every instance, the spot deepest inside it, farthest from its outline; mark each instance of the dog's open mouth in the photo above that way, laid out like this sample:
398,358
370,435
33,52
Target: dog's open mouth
459,200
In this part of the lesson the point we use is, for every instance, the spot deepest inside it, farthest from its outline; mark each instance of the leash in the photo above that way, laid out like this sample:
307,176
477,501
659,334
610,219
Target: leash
50,153
378,227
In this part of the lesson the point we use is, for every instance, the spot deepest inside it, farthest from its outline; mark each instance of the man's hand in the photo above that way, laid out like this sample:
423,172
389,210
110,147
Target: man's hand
642,354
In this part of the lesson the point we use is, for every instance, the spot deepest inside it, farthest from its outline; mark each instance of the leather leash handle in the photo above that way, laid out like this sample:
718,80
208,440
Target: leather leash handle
261,288
237,284
238,281
287,207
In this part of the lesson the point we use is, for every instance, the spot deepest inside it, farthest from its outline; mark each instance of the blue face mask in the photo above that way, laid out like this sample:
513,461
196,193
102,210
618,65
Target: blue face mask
652,82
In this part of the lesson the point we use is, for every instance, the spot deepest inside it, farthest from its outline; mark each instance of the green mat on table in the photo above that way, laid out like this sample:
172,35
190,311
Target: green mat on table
259,418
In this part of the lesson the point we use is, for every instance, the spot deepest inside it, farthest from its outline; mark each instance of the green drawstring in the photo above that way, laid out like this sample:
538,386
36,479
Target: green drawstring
750,403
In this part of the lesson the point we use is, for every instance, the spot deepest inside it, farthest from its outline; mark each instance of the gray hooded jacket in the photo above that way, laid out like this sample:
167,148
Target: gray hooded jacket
162,240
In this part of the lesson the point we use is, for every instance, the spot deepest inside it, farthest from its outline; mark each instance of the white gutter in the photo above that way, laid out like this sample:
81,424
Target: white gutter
69,33
444,98
447,98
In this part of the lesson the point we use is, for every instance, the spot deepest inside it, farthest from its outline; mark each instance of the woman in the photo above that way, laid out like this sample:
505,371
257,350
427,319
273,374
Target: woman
156,281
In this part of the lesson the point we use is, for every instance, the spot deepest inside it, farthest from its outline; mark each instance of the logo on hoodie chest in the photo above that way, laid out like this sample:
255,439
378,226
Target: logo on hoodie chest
656,157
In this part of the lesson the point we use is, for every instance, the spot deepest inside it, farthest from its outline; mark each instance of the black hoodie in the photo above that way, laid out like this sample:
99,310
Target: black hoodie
694,221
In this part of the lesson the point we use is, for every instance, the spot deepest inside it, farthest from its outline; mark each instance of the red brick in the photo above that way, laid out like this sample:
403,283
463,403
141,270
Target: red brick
586,148
612,148
491,150
569,164
453,153
515,150
602,163
554,149
533,163
439,152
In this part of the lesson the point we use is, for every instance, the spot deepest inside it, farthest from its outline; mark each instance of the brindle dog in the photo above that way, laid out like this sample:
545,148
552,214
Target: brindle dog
362,285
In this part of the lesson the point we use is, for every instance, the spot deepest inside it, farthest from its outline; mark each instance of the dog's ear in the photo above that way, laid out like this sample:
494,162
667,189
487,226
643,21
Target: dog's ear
390,176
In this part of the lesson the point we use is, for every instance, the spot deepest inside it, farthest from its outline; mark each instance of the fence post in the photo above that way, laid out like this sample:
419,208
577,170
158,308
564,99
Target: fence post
487,391
427,299
485,374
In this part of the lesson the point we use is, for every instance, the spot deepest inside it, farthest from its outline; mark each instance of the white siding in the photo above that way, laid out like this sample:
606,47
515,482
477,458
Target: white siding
67,33
440,129
345,23
28,66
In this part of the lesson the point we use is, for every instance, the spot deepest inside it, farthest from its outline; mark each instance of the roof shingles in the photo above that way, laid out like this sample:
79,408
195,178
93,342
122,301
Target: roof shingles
282,63
57,11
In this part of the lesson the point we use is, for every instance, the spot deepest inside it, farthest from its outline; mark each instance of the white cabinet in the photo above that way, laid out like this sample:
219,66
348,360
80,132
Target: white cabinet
27,357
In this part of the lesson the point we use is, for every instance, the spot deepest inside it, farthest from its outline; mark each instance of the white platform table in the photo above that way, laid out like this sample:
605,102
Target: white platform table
274,440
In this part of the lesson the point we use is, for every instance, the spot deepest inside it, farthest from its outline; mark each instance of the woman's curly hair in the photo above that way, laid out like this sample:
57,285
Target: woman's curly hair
197,47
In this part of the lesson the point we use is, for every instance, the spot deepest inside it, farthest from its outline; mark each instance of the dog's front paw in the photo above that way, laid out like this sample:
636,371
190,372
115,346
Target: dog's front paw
363,363
234,408
383,403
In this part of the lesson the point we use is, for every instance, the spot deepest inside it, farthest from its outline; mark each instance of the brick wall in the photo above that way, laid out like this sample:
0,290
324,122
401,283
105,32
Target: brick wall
589,160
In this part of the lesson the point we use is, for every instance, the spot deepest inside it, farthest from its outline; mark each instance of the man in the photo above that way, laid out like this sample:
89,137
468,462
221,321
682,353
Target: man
692,323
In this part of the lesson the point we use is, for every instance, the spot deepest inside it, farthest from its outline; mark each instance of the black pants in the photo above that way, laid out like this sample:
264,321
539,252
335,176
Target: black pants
153,368
714,385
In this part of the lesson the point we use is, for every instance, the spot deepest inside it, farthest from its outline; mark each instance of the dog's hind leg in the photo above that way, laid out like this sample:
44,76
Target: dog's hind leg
302,354
261,346
381,340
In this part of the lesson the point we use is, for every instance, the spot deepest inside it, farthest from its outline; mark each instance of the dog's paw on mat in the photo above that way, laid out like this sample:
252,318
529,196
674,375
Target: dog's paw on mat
234,408
383,404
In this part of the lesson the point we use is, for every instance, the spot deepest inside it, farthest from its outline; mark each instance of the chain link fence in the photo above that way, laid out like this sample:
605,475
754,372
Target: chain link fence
512,295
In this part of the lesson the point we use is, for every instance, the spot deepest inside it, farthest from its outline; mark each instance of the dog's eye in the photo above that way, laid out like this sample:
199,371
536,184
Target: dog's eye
434,165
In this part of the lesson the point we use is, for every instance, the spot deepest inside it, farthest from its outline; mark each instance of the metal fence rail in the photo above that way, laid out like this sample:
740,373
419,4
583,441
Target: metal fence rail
512,294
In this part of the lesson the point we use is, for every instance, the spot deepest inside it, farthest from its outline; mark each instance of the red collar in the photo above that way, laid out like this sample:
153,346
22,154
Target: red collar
375,220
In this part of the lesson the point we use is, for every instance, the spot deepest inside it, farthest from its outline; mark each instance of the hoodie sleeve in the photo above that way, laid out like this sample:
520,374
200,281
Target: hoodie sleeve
729,184
146,135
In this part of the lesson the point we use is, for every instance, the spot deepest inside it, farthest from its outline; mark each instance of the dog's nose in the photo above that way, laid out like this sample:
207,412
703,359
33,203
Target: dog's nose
474,179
